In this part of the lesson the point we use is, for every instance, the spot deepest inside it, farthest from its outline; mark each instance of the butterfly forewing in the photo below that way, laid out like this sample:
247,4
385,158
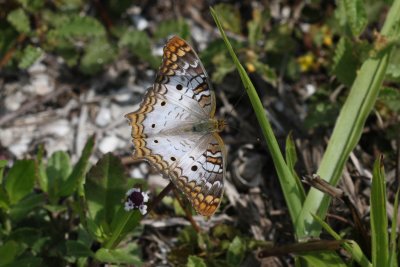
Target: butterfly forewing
182,70
166,130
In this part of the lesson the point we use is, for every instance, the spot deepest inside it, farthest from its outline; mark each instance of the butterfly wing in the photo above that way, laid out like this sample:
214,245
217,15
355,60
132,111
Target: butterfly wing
183,73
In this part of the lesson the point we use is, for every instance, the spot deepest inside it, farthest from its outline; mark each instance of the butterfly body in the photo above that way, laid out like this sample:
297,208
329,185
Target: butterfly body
175,130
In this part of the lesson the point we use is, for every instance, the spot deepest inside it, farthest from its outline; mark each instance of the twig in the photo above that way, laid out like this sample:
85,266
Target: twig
312,246
188,213
31,105
160,196
8,55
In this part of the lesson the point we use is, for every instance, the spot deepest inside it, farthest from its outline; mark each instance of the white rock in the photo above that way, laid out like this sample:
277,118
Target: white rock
108,144
19,147
59,128
136,173
14,101
103,117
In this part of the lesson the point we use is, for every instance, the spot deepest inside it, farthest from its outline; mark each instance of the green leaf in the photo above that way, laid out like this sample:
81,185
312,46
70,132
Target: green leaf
57,171
25,235
291,159
194,261
236,252
78,249
390,97
379,222
266,72
170,27
229,17
345,63
356,15
32,5
117,256
393,70
19,20
28,261
139,45
255,26
20,180
77,177
26,205
105,188
393,234
323,259
8,252
78,26
98,53
29,55
3,163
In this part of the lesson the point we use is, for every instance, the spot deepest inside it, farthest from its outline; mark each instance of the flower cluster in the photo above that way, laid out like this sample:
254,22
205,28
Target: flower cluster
136,199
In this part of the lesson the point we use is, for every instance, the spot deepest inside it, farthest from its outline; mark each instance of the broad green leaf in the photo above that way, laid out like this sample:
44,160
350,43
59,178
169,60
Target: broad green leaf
26,205
391,98
25,235
393,70
19,20
379,222
20,180
29,55
105,188
356,15
77,177
236,252
117,256
57,171
194,261
80,27
345,63
8,252
98,53
78,249
123,223
139,44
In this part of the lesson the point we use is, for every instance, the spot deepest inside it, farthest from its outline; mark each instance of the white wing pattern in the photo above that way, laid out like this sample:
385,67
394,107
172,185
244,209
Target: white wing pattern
174,128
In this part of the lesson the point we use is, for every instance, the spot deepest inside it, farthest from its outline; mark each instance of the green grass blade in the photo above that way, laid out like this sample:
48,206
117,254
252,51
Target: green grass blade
348,128
379,223
393,234
288,183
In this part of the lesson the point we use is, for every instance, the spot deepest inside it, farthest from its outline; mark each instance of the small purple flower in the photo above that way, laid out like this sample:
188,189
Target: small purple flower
136,199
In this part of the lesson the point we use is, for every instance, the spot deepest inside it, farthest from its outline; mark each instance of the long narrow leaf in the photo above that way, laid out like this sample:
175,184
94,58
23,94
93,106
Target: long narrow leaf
379,223
393,234
288,183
